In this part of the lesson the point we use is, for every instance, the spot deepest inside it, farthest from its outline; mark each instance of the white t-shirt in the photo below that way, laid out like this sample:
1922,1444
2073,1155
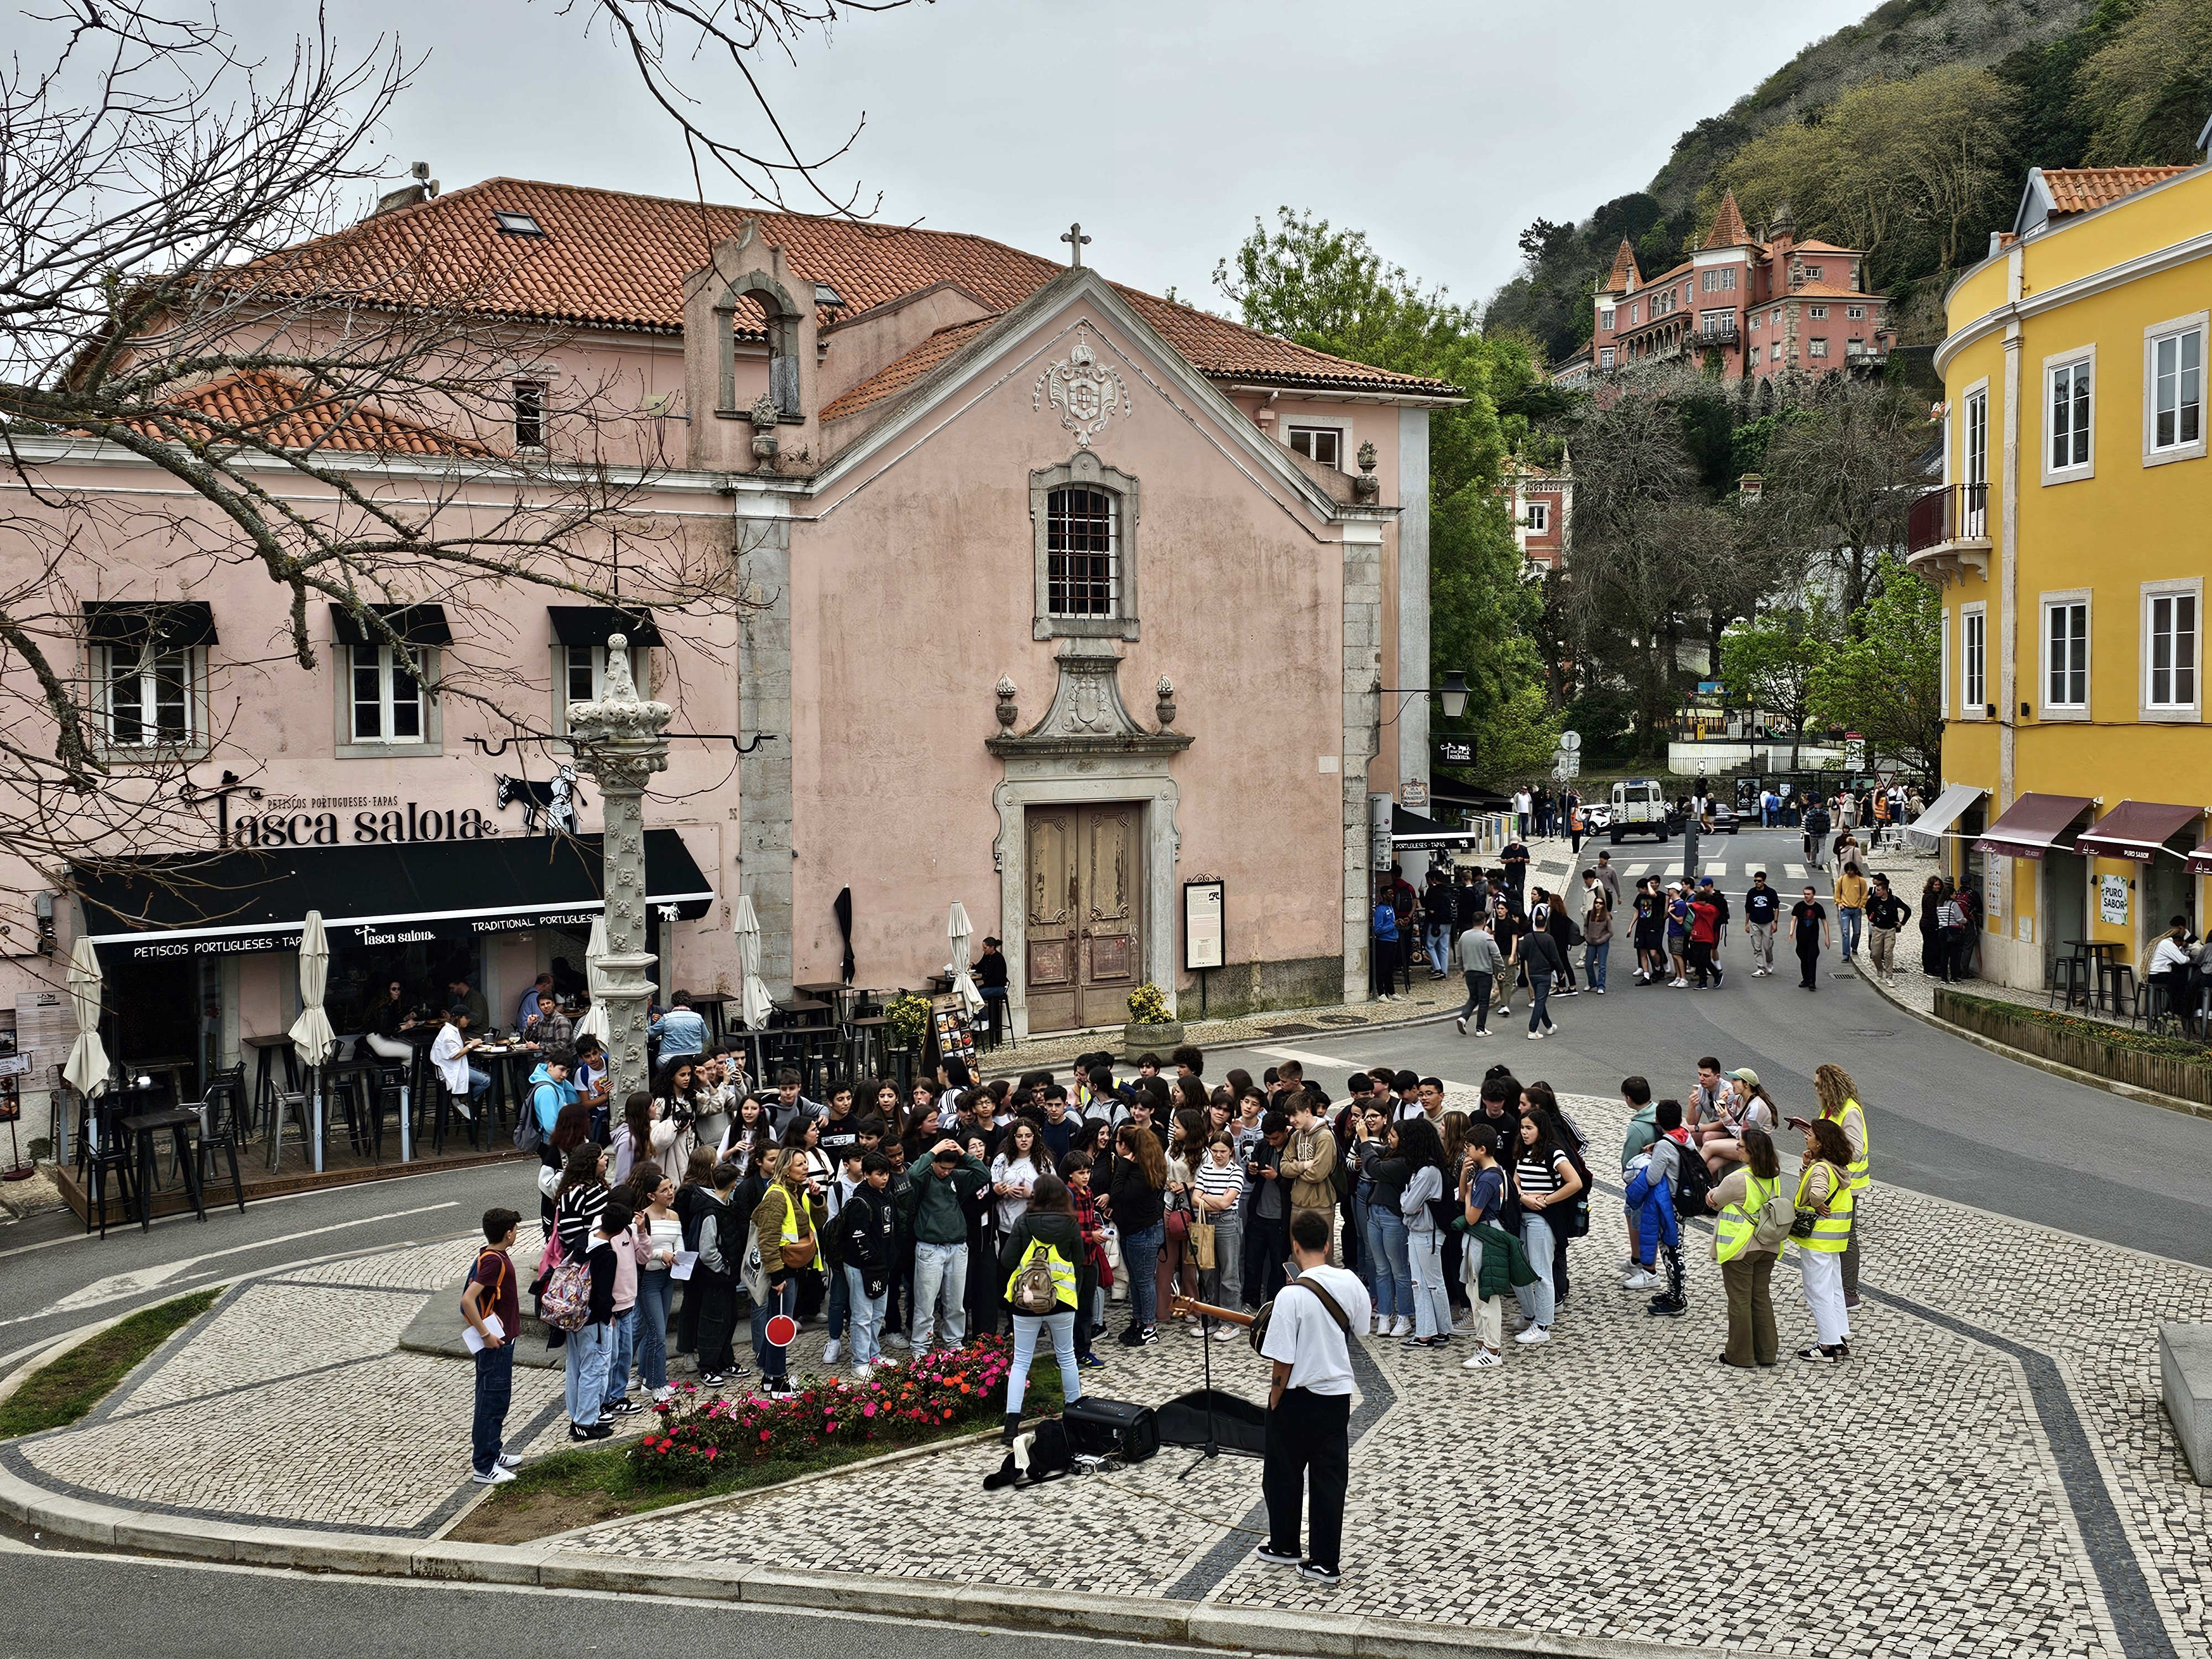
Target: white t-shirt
1301,1333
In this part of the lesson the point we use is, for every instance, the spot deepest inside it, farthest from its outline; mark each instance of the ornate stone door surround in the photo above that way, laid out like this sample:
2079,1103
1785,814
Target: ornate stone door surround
1087,749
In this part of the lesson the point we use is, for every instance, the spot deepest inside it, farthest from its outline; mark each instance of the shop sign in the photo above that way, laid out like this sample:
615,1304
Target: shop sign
2113,900
1455,751
355,820
1414,793
1993,888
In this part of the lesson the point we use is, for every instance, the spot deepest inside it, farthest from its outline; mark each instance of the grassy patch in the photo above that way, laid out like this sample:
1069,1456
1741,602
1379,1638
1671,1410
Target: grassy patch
72,1385
2167,1046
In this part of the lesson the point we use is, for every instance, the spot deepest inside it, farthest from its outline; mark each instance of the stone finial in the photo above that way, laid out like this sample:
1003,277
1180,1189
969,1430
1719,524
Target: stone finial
620,685
1367,487
1165,708
1008,712
763,414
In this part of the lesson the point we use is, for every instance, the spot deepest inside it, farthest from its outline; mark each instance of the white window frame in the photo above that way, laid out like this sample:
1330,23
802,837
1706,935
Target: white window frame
1342,434
353,747
1757,320
1854,314
1974,661
1634,312
2154,454
2192,587
1605,318
1540,518
1817,346
1605,356
104,663
1974,459
2051,604
1943,669
2080,360
1818,313
640,668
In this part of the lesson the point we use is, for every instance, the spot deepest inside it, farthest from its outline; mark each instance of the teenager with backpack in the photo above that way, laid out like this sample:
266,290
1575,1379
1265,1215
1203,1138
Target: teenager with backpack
1546,1183
863,1239
492,1306
1039,1260
1415,1142
590,1344
1751,1222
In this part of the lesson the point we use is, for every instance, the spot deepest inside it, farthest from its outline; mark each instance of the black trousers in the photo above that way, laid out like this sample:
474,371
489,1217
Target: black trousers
1809,961
1309,1457
1267,1242
718,1316
1386,964
1701,962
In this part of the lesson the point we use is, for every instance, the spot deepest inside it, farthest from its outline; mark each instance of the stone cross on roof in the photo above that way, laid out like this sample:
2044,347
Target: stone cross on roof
1076,241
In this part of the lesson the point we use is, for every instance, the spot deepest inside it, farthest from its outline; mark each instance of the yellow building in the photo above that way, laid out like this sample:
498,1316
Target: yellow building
2072,538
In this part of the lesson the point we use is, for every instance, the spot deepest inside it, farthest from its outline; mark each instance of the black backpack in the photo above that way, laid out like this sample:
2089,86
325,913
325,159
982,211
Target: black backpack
1692,1181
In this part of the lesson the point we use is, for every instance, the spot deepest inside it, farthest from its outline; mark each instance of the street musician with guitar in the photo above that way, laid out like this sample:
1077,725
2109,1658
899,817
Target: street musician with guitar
1306,1333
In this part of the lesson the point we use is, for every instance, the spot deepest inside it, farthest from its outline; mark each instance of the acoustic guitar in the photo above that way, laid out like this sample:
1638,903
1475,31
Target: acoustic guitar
1180,1307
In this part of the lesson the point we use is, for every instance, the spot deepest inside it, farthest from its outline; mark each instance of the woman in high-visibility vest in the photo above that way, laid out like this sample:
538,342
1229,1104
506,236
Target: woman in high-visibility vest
1045,1235
1824,1219
1745,1265
1838,1098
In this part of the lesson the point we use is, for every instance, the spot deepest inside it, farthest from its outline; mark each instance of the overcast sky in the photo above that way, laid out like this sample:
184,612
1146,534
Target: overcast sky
1441,127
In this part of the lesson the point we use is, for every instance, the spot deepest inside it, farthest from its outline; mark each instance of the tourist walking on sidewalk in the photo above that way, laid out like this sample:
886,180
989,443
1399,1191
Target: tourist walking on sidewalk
1597,938
1838,1098
1536,952
1887,914
1385,948
1824,1215
1852,890
1480,963
1747,1263
1808,926
1762,910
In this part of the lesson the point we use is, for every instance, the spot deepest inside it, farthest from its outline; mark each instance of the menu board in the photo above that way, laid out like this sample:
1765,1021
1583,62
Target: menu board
954,1039
1203,945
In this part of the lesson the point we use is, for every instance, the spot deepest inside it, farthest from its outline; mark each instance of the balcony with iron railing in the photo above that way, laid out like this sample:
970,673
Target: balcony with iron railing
1947,530
1715,332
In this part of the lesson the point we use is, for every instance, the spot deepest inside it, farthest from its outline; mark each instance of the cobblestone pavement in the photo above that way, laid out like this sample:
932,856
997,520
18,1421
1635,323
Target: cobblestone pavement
1991,1474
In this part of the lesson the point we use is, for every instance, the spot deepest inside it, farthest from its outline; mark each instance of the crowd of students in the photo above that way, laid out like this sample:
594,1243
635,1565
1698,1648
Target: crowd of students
903,1221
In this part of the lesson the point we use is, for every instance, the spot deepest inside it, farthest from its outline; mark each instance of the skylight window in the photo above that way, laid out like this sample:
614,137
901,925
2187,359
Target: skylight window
517,224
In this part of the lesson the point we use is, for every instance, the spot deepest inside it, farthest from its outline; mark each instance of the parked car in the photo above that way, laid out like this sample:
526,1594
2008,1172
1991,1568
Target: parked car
1597,819
1725,819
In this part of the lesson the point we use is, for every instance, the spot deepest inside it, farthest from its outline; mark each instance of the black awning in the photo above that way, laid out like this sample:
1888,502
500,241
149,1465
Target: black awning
415,625
1411,829
592,624
246,900
133,624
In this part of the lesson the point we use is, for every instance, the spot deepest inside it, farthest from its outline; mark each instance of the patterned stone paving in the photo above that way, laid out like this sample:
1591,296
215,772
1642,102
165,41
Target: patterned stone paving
1992,1475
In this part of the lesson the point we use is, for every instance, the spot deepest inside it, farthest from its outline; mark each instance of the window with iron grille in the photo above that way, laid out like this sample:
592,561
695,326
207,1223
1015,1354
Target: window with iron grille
1079,546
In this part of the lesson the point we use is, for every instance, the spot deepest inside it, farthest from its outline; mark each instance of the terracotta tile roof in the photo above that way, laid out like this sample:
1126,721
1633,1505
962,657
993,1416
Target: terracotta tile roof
2077,190
1821,248
286,415
902,371
1823,291
1625,273
1728,229
615,261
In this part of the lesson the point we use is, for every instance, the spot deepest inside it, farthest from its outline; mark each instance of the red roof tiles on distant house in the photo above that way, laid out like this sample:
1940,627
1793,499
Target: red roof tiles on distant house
901,373
286,415
1624,274
608,259
1728,229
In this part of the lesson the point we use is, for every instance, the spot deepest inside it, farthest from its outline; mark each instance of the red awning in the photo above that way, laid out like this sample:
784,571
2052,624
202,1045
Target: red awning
2200,861
2031,825
2136,829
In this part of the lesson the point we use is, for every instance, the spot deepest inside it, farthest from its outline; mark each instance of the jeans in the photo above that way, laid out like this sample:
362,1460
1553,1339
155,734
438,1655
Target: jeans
654,1292
772,1359
1309,1450
940,1278
1594,957
1223,1282
1385,953
1478,1001
1850,916
1140,1254
586,1352
622,1329
494,1388
1439,945
1394,1270
1540,989
1425,1252
1536,1299
867,1312
1060,1326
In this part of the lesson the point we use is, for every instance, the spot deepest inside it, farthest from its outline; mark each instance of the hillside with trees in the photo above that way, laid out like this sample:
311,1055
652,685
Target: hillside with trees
1907,135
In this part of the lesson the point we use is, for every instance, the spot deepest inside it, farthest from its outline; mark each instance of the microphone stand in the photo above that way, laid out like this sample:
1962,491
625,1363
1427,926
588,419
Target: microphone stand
1212,1447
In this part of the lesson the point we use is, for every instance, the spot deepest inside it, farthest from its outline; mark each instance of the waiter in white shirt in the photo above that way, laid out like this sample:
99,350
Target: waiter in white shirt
1309,1405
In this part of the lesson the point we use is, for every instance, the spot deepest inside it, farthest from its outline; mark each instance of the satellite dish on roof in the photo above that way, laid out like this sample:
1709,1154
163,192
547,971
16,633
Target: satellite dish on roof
1570,741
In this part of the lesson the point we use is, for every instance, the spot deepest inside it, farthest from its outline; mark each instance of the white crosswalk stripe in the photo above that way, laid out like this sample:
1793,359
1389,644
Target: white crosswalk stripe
1793,870
1718,868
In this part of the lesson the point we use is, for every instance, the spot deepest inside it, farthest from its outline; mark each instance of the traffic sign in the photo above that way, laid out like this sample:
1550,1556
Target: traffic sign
1570,741
782,1331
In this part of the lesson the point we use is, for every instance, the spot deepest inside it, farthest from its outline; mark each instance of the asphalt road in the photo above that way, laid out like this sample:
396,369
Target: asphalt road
1946,1118
185,1611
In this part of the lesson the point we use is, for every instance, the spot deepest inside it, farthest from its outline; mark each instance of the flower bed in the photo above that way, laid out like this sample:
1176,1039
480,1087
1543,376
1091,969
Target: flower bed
2166,1065
700,1434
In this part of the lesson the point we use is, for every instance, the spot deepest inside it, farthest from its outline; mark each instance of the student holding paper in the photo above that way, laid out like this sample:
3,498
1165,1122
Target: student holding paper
658,1238
493,1308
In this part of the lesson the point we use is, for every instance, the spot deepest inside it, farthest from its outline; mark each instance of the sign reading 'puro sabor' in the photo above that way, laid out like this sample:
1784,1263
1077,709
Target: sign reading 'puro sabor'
355,821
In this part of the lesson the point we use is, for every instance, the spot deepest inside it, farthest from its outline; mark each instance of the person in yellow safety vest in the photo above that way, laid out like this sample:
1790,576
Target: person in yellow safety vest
1046,1234
1838,1098
1747,1264
785,1223
1824,1205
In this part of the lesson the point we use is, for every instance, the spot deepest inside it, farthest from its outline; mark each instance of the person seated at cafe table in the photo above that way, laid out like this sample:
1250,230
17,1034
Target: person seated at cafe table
386,1020
468,1084
471,1002
526,1009
547,1027
680,1030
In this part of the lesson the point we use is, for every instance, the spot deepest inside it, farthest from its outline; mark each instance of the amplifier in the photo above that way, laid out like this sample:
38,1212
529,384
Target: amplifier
1111,1428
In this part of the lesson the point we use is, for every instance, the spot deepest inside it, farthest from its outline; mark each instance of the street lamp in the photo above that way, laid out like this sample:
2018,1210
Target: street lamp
1453,691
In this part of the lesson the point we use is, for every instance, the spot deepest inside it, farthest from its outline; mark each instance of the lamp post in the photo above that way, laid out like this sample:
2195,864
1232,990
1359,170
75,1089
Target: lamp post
620,740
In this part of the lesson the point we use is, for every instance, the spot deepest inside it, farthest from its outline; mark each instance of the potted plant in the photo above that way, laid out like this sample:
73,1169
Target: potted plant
1150,1026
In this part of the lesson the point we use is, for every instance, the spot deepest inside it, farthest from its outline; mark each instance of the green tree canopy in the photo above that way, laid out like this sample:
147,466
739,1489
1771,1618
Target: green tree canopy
1885,680
1769,660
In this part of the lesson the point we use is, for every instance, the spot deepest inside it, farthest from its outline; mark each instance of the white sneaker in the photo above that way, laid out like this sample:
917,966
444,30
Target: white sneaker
1536,1036
1533,1335
498,1476
1404,1327
462,1107
1640,1281
1677,982
1462,1022
1480,1359
1225,1332
834,1352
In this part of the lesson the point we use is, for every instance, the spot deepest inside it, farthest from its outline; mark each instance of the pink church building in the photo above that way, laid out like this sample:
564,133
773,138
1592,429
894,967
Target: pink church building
1757,306
1044,595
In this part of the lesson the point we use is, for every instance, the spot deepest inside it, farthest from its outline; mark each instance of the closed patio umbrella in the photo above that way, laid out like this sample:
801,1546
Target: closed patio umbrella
313,1039
595,1022
87,1069
754,1005
964,982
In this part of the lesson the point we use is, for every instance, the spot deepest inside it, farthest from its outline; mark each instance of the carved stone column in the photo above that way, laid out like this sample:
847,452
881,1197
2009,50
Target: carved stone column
620,740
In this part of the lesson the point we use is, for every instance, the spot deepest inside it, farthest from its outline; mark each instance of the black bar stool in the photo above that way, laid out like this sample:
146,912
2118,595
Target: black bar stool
144,1129
221,1112
107,1153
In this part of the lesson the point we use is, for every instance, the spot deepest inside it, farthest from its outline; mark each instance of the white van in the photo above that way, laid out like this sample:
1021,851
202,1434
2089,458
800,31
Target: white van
1640,808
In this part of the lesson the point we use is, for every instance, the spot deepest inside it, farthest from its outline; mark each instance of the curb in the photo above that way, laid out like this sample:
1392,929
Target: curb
2056,1068
1123,1618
